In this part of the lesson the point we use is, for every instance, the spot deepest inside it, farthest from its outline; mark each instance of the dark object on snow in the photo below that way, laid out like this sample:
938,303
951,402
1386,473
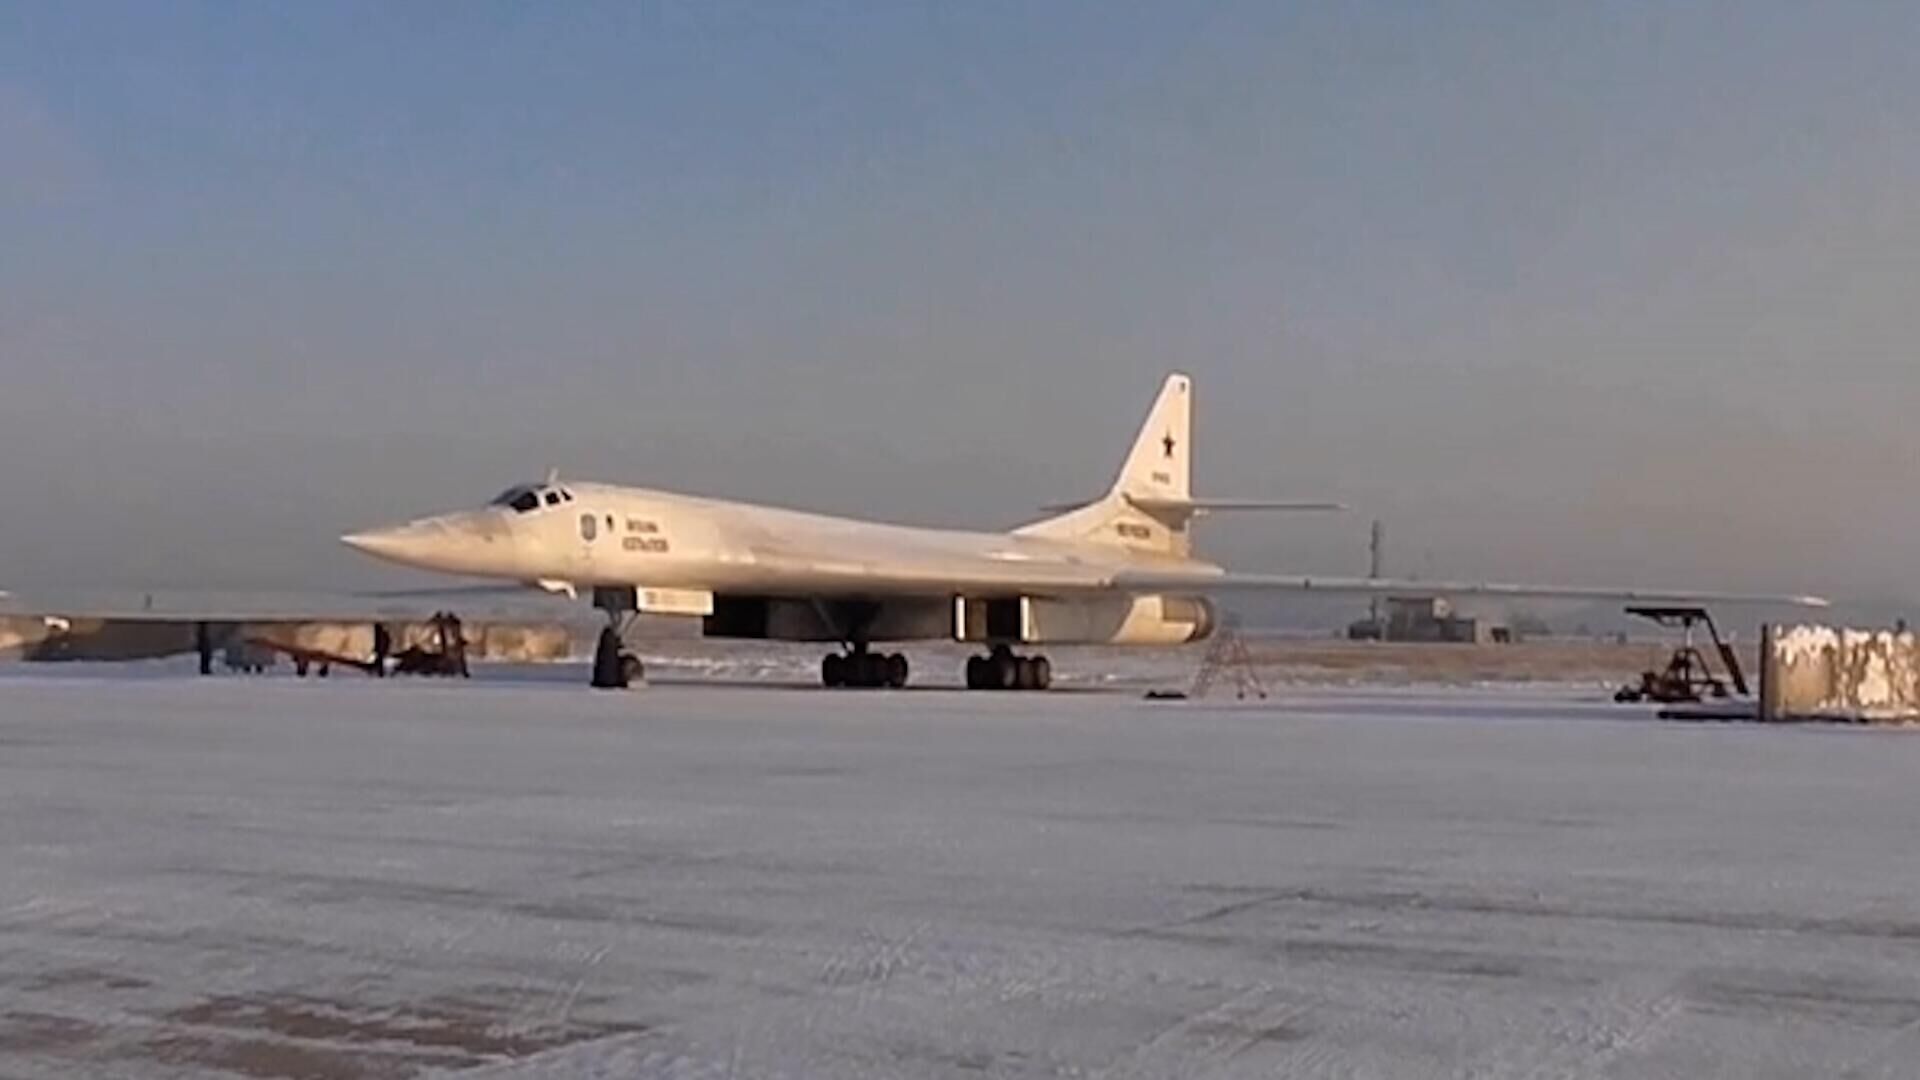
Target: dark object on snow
1688,676
447,657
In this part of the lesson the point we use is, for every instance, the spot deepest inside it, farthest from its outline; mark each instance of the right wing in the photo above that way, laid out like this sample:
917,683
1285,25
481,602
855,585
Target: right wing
1202,581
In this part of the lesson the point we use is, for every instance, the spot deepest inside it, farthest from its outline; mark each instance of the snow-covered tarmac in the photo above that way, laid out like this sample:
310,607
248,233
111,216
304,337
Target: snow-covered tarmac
277,879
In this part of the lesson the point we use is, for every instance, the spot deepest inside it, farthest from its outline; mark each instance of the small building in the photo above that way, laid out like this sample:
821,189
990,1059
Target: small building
1429,619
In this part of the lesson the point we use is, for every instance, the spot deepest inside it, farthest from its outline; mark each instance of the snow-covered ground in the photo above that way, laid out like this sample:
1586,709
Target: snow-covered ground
352,878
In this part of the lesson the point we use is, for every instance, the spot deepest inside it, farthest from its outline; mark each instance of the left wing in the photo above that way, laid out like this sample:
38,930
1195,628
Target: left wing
1201,581
478,591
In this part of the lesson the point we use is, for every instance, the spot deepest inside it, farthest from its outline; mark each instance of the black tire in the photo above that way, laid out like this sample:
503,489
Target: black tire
897,671
1003,671
976,672
833,670
631,669
606,661
1042,673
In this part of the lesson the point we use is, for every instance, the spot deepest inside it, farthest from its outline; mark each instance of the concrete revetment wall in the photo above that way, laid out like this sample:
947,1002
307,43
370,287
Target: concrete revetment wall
1835,673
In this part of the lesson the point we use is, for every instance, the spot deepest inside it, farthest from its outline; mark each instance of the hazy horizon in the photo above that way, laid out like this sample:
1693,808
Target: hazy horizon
1609,294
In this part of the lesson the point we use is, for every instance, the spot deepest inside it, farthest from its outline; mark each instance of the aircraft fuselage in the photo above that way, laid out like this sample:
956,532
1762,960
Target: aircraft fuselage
587,535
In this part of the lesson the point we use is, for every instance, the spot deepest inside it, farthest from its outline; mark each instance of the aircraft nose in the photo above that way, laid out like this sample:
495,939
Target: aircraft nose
417,543
461,543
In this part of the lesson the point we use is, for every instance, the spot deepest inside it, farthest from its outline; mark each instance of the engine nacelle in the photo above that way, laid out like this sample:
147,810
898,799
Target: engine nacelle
1153,619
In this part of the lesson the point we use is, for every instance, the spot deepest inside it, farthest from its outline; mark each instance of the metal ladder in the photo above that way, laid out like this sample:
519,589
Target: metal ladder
1228,654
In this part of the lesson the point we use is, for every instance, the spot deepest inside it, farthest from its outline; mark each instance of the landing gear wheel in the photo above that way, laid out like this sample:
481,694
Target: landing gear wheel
862,669
608,671
631,669
1003,671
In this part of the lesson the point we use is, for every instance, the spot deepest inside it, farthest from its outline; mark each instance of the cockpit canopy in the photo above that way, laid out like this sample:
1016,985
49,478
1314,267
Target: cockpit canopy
526,498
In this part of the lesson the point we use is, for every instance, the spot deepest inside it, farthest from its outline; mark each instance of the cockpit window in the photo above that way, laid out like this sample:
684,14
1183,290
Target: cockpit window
519,499
553,498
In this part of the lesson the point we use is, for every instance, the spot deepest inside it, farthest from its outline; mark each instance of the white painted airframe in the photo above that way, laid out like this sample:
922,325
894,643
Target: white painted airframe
1118,570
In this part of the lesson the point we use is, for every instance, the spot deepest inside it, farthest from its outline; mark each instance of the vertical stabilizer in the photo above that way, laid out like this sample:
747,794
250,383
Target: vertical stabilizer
1160,466
1146,509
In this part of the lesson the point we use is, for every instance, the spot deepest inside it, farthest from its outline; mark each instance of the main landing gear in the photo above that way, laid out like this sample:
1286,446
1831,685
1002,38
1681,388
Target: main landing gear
1002,670
614,668
859,668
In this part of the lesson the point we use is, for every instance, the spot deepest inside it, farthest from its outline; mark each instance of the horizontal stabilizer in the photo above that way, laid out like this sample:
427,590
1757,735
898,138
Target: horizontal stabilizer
1148,580
1210,506
1195,507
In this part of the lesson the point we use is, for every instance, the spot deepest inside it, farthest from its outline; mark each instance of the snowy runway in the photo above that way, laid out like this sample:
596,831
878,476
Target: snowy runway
277,879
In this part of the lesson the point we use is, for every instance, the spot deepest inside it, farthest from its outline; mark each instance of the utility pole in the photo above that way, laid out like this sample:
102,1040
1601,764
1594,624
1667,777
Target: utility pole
1376,565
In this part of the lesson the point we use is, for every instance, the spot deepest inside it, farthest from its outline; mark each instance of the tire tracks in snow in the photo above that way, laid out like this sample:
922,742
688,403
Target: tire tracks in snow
1210,1042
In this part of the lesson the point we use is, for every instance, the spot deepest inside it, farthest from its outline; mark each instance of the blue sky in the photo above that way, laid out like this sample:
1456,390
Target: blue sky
1599,292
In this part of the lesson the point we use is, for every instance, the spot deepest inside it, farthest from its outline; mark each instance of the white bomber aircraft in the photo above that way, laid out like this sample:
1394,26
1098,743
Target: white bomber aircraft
1119,570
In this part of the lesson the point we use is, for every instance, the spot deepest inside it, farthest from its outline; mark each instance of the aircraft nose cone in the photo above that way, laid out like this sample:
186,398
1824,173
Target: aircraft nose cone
414,544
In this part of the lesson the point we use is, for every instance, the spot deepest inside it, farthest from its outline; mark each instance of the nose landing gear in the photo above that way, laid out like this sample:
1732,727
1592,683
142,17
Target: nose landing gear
1002,670
860,668
614,668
